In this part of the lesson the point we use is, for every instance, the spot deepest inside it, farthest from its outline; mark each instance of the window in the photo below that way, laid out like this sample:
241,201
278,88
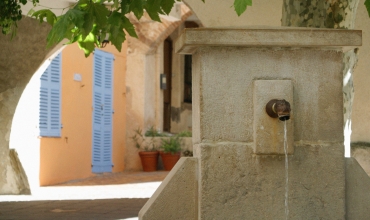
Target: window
49,105
187,68
187,79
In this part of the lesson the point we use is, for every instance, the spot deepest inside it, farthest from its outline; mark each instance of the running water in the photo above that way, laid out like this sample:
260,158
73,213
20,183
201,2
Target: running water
286,172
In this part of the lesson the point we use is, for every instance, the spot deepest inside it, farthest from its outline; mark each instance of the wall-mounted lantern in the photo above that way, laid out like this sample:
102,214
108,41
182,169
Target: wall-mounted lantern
163,81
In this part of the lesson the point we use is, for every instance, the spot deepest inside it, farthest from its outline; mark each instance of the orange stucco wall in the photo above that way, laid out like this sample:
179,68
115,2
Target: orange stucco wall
70,156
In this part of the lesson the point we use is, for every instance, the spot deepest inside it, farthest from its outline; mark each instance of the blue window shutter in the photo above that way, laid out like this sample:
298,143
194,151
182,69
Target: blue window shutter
102,114
50,92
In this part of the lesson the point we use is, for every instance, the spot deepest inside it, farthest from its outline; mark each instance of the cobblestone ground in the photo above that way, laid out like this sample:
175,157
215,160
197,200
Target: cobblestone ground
109,196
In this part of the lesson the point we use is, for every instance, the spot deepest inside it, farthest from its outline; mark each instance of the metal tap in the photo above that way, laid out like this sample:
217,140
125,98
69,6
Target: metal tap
276,108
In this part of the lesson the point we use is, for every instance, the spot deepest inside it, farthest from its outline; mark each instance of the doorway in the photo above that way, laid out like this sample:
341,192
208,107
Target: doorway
167,68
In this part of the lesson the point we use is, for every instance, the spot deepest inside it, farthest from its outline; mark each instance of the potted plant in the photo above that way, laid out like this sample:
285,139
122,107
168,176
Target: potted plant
148,150
171,151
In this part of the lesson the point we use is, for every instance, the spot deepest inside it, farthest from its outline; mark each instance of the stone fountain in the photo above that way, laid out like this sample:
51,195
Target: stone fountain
238,169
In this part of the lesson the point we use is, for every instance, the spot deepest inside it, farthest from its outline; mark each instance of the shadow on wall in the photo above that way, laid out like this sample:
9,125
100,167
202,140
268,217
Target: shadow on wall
19,60
24,141
361,152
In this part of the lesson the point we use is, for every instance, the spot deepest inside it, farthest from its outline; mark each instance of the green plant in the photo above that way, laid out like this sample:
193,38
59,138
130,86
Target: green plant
142,143
152,132
171,144
184,134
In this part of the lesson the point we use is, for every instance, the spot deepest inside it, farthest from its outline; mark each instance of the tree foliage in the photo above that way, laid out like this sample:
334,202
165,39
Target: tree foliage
10,13
241,5
90,22
367,5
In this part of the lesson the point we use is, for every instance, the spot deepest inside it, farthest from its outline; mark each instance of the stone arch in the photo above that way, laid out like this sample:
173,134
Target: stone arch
152,33
20,57
23,55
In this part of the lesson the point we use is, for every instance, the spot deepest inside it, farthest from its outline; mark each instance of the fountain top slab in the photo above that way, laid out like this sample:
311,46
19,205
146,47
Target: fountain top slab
338,39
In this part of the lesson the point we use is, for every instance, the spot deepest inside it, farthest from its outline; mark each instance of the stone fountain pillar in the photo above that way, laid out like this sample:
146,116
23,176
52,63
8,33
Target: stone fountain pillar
238,169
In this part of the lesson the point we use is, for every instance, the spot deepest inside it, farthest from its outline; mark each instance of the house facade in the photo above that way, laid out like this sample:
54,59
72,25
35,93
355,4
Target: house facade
79,122
145,61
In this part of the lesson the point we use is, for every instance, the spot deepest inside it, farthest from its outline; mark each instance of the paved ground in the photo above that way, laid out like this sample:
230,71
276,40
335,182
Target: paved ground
72,209
117,196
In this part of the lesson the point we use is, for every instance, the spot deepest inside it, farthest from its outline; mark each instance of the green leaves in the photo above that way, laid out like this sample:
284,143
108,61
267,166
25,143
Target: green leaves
241,5
153,8
67,26
10,13
87,44
367,5
156,7
90,22
86,23
167,5
45,13
117,35
99,12
137,8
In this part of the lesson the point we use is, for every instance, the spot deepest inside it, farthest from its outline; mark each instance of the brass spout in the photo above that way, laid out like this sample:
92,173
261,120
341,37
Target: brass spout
276,108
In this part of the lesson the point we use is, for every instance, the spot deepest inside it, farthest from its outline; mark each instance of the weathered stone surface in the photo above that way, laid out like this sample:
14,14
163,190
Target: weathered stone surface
235,184
17,180
176,197
357,191
269,132
19,59
153,33
226,91
339,14
267,37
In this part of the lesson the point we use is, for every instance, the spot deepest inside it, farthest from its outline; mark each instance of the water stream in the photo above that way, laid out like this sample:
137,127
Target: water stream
286,172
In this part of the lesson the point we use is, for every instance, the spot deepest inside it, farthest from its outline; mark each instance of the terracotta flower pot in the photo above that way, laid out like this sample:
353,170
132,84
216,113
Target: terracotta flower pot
149,160
169,159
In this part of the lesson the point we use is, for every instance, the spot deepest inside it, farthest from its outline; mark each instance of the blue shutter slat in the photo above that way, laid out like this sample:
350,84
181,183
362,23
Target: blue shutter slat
108,108
102,115
50,92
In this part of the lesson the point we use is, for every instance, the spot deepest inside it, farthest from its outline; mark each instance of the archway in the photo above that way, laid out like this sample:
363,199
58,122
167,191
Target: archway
19,60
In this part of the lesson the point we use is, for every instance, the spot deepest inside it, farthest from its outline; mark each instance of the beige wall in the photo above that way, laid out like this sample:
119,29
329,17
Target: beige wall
144,65
221,14
135,97
361,76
